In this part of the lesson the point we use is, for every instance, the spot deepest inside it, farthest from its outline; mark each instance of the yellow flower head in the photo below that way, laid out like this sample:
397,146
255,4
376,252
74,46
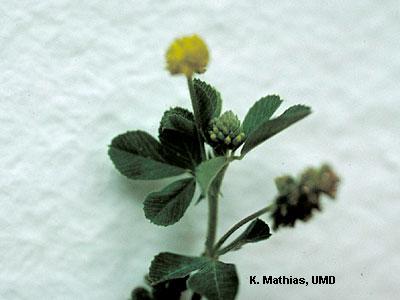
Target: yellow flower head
187,55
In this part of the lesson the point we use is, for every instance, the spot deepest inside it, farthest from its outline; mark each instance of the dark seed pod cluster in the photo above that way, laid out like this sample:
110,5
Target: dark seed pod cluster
226,131
299,198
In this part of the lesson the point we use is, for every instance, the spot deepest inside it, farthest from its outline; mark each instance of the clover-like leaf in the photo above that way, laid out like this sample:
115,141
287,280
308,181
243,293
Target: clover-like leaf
260,112
166,266
137,155
208,170
178,119
215,280
167,206
180,149
209,103
178,137
271,127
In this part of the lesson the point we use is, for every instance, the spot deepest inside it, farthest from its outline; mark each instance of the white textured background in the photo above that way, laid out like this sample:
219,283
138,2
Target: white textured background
73,74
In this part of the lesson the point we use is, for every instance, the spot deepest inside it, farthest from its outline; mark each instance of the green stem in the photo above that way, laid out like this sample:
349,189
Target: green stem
213,195
195,106
212,224
215,186
238,225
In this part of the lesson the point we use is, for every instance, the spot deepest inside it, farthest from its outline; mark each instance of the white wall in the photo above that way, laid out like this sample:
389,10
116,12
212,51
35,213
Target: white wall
73,74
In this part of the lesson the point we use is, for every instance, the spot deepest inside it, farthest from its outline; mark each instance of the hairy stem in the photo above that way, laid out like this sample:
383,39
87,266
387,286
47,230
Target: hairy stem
195,106
240,224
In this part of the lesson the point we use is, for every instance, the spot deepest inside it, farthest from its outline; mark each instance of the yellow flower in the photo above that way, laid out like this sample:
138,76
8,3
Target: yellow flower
187,55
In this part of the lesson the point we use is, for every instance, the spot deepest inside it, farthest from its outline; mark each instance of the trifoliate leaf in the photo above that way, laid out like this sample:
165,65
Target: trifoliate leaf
209,103
271,127
260,112
178,137
178,119
216,281
257,231
137,155
167,266
168,206
207,171
180,149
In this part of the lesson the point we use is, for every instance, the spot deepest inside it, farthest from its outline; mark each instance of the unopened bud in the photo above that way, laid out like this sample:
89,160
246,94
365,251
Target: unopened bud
226,131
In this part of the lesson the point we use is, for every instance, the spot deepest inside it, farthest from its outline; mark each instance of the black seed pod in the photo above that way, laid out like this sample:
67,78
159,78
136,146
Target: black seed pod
298,199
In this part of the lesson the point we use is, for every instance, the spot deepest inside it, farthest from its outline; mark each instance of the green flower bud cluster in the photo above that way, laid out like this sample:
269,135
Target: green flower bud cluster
226,131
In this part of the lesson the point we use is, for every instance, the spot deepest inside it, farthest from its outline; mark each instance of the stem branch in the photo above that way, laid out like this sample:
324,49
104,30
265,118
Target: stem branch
240,224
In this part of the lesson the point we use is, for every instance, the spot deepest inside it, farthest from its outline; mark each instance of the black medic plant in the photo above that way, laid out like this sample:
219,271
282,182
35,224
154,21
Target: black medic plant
199,145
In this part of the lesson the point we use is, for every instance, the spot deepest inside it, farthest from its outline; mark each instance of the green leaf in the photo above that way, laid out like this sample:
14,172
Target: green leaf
168,206
178,119
178,136
257,231
208,170
216,281
209,102
180,149
166,266
271,127
137,155
218,105
261,111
